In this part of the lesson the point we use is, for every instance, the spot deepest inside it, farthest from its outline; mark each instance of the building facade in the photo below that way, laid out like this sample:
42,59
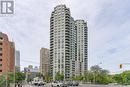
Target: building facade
82,47
65,55
73,46
59,41
44,61
12,57
17,61
7,53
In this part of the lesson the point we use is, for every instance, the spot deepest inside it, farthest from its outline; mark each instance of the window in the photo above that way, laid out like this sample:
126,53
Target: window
0,70
0,59
1,43
0,65
0,54
62,66
1,38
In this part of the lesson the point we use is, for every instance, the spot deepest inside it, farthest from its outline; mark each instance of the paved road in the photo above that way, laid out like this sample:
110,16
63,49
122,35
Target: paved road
81,85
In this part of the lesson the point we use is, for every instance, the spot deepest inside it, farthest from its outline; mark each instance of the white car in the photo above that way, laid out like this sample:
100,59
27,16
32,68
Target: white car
34,83
39,83
111,84
57,84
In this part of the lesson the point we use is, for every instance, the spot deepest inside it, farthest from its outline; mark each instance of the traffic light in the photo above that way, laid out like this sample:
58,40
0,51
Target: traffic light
121,66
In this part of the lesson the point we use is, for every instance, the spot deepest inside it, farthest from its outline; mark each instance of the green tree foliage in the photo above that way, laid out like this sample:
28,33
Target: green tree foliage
48,78
19,77
95,68
8,77
2,80
100,76
118,78
59,76
126,77
96,75
78,78
89,76
11,77
39,75
123,78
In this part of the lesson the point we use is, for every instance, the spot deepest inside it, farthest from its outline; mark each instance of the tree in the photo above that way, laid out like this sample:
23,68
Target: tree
39,75
98,75
104,72
118,78
95,68
11,77
2,80
19,77
126,77
78,78
59,76
48,78
123,78
89,76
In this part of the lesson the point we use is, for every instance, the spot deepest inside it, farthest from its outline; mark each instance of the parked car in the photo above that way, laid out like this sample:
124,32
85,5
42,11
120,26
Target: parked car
64,84
40,83
111,84
69,83
75,83
58,84
34,83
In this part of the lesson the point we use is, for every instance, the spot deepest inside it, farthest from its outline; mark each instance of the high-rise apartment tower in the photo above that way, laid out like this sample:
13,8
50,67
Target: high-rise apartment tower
44,61
68,44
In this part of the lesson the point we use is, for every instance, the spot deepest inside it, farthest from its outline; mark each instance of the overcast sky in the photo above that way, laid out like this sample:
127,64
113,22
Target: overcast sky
108,26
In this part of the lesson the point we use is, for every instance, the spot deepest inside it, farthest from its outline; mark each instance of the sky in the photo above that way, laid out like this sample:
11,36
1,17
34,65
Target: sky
108,24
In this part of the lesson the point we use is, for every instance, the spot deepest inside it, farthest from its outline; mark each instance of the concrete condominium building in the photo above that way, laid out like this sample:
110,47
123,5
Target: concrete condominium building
59,41
73,47
17,61
7,53
64,42
12,56
82,47
44,61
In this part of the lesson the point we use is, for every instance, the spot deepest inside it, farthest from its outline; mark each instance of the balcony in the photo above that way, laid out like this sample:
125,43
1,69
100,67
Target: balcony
51,33
67,14
51,25
51,28
67,25
67,31
51,39
67,20
1,40
67,36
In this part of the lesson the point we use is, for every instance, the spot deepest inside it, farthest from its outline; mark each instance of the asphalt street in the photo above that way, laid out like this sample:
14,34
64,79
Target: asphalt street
81,85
